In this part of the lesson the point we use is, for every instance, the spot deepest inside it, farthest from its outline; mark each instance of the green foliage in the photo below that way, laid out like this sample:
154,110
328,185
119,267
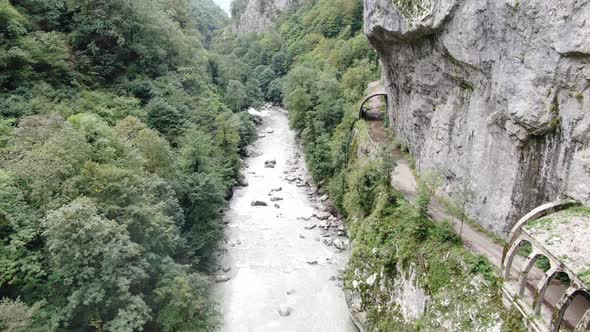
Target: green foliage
104,216
96,266
16,316
428,184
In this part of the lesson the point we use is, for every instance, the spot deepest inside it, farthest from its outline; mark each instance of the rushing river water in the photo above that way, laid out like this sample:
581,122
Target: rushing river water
268,250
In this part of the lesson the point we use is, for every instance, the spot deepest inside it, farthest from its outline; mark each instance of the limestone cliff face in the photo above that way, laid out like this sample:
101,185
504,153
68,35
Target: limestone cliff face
258,15
493,91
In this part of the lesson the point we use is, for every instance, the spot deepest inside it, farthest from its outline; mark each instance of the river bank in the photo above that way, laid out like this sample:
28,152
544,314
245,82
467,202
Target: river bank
282,259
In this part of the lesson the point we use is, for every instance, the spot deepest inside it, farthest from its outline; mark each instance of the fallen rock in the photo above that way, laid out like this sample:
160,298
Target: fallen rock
285,310
258,203
276,199
222,278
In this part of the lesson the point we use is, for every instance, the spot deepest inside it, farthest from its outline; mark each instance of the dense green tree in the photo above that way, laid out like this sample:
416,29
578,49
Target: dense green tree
235,96
97,267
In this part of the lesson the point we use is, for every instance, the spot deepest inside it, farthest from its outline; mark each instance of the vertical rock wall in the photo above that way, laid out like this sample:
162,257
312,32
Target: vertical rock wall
492,91
259,15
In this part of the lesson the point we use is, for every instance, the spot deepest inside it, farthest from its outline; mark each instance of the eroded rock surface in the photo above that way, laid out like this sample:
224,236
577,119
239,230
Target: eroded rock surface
494,91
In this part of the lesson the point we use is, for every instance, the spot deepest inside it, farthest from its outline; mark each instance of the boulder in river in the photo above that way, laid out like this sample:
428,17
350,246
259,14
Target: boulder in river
258,203
261,135
290,291
312,261
276,199
339,244
328,241
276,189
226,268
322,215
222,278
270,163
285,310
269,130
277,206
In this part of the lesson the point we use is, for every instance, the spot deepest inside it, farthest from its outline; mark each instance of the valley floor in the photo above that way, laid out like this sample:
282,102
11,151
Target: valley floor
282,276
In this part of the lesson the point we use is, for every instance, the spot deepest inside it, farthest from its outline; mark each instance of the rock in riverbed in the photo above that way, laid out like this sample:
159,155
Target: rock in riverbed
276,199
285,310
222,278
258,203
312,261
270,163
339,244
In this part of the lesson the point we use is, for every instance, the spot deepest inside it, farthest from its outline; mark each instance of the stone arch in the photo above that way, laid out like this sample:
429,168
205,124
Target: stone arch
563,305
361,113
511,253
544,284
526,268
584,323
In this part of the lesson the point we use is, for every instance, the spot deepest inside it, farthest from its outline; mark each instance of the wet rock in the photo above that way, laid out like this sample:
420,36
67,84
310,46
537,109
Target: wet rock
285,310
339,244
322,215
276,199
257,119
222,278
242,182
258,203
312,261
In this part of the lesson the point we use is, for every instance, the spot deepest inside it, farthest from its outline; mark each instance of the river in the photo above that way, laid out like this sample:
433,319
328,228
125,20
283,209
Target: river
270,255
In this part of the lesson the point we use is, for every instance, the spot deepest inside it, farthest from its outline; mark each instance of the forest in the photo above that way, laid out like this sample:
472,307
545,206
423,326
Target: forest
122,125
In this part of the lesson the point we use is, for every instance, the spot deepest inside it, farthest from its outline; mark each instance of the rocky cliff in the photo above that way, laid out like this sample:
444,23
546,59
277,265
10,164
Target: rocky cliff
492,91
257,15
